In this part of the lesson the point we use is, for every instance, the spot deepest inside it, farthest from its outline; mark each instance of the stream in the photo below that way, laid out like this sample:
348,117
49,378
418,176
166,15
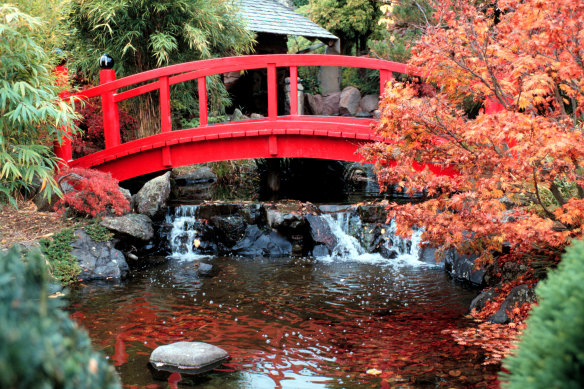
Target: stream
347,320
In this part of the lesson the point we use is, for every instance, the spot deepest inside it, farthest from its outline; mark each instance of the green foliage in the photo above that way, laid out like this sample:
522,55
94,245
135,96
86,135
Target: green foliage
52,33
236,180
40,346
551,351
32,116
143,35
353,21
366,80
58,249
195,122
97,232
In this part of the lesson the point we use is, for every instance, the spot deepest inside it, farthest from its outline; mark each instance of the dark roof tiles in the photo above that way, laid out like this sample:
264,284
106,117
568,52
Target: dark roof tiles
272,17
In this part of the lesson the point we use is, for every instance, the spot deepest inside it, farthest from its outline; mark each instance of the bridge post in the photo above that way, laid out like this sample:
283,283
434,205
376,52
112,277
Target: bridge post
203,114
272,92
111,116
62,148
384,77
293,90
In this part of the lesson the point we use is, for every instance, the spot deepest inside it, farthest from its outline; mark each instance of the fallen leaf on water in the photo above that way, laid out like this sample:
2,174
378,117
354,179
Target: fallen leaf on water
373,372
197,243
454,373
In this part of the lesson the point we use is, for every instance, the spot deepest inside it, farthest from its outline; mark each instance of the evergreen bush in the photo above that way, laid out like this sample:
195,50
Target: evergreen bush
40,346
551,351
57,250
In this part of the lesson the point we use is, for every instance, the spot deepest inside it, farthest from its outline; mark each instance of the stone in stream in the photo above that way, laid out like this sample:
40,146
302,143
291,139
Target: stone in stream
188,357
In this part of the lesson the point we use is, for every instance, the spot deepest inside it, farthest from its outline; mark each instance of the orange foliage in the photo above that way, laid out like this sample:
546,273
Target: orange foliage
527,56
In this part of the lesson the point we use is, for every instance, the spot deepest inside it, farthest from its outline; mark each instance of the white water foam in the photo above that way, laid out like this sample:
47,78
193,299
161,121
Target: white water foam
184,232
345,227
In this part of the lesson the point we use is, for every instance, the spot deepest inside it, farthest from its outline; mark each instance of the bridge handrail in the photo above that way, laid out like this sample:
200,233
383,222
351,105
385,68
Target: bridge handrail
161,79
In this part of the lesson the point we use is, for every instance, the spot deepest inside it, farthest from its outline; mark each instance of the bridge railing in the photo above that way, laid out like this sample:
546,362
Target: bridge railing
161,79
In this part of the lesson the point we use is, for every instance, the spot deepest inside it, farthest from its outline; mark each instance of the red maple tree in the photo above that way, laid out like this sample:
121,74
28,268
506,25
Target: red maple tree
520,166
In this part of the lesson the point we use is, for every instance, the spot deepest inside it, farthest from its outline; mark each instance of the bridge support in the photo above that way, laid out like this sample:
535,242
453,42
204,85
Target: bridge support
111,115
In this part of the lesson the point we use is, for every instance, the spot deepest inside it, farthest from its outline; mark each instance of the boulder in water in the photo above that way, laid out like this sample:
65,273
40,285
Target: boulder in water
135,225
321,234
257,243
188,357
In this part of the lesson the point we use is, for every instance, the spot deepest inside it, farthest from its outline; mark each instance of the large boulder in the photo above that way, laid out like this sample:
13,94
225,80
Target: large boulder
258,243
151,199
135,225
228,229
195,185
369,103
330,104
281,219
517,296
349,101
98,260
462,267
312,104
321,233
187,357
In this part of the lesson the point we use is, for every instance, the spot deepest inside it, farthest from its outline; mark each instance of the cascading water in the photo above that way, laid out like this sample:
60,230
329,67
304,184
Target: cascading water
346,226
185,232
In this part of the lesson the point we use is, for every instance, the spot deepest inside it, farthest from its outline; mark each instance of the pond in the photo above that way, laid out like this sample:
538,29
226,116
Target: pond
291,323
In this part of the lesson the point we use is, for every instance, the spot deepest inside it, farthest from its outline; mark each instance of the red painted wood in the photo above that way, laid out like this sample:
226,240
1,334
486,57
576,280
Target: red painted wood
384,77
209,67
272,91
293,90
111,117
137,91
62,148
165,120
203,115
293,136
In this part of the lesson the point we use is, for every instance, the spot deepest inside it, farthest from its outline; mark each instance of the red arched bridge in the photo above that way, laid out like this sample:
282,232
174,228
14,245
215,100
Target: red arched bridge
290,136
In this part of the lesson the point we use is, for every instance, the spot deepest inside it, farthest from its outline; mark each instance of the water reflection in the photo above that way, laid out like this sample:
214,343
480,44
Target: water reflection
290,323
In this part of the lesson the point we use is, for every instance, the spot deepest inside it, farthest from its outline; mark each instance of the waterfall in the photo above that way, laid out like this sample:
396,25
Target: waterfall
347,227
184,231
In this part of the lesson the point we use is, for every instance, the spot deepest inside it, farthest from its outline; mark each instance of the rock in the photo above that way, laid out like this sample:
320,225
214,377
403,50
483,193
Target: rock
253,213
517,296
461,267
313,104
128,196
256,116
321,234
135,225
330,104
369,103
98,260
262,244
481,300
196,185
237,115
376,114
349,101
428,255
372,213
283,220
151,199
207,211
188,357
228,229
320,250
205,269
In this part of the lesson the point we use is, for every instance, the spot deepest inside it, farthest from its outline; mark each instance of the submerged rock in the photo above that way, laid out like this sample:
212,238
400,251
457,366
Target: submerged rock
188,357
98,260
257,243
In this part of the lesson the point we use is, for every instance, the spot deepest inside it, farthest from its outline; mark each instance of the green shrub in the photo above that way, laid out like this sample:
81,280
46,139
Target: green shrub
40,346
551,351
57,250
97,232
